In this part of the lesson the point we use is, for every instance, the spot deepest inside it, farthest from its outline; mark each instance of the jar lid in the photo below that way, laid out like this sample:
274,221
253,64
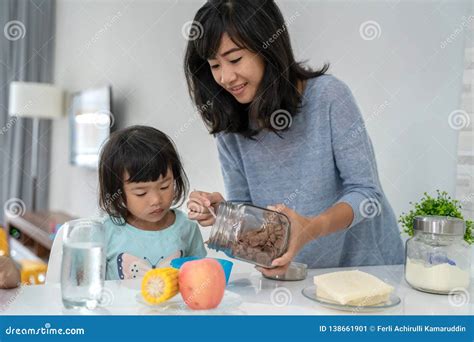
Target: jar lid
442,225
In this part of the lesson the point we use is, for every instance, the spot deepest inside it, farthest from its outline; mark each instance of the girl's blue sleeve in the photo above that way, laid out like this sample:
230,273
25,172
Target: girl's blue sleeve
196,243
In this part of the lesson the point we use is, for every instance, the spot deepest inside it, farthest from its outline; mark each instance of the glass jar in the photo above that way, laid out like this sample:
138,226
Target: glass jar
249,233
438,260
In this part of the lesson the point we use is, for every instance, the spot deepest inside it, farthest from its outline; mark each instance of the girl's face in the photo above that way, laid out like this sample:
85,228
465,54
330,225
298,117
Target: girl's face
149,202
239,71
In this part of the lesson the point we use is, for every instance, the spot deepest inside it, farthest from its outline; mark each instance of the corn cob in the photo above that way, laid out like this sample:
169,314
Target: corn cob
160,284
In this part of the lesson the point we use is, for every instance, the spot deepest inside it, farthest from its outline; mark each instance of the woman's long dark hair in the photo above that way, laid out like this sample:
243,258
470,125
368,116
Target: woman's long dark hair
258,26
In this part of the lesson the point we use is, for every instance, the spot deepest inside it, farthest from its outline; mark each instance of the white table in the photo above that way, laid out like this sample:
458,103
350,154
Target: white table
258,296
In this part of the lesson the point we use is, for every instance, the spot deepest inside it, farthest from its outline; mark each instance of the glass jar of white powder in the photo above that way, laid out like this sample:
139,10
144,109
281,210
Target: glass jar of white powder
438,260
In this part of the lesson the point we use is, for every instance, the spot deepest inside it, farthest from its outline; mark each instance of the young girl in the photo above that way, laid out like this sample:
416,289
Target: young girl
140,179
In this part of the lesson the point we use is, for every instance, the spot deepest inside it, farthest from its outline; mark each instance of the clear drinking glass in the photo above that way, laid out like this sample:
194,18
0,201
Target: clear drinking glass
83,263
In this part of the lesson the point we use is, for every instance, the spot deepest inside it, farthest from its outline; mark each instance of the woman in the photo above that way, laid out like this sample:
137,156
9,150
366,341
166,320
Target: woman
286,134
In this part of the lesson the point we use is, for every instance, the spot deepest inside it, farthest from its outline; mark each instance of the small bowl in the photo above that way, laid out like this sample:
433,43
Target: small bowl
226,264
296,271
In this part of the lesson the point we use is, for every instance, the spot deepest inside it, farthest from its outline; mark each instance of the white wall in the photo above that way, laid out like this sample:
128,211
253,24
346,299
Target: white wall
138,48
405,83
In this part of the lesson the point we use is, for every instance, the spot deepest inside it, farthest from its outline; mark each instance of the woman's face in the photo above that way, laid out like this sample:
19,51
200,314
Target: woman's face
239,71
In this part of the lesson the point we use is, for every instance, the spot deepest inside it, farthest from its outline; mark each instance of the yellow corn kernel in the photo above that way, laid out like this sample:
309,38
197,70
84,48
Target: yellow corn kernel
160,284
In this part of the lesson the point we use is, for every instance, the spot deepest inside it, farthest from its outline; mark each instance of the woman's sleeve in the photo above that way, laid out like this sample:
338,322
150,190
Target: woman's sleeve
354,155
235,182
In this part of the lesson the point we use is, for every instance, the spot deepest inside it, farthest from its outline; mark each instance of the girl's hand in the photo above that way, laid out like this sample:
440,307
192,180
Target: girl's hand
299,236
198,204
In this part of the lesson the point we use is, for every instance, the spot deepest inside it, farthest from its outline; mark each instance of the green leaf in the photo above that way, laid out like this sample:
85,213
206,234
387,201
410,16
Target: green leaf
442,205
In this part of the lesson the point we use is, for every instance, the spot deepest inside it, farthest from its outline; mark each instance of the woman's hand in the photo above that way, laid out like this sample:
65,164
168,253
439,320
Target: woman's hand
305,229
198,204
301,233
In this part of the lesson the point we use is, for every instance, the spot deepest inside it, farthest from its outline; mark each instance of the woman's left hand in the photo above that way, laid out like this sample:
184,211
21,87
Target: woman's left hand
300,234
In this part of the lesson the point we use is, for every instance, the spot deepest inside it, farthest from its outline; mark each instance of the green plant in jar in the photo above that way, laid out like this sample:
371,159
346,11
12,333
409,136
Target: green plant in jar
442,205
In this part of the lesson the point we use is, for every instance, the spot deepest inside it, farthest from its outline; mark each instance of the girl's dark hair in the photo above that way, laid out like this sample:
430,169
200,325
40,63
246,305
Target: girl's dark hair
258,26
145,154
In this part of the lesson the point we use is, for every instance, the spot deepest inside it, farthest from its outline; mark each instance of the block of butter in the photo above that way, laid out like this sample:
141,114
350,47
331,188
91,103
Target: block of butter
352,288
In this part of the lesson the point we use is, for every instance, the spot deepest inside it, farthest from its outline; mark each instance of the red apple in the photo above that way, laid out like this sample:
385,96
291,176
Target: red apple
202,283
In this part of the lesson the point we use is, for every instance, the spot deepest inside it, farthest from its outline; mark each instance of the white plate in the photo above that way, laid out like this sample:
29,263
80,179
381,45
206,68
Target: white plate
176,306
310,292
